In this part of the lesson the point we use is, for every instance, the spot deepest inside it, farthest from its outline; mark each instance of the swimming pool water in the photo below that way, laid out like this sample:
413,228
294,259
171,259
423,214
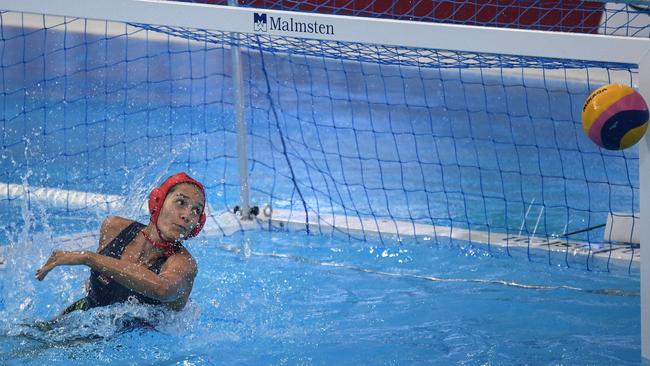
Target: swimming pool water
285,298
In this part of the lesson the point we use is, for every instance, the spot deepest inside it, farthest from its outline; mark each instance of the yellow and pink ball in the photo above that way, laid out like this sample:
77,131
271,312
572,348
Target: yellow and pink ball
615,116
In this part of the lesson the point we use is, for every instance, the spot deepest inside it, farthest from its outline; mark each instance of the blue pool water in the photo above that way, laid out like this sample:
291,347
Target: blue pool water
112,115
278,297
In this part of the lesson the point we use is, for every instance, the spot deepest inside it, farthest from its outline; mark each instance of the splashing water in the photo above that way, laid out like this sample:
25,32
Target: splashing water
27,306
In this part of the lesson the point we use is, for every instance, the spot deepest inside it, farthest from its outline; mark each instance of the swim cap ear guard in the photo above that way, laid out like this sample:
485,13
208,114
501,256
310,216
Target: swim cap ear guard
158,195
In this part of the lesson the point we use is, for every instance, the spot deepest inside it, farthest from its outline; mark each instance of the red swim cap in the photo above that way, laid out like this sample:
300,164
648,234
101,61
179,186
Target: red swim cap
158,195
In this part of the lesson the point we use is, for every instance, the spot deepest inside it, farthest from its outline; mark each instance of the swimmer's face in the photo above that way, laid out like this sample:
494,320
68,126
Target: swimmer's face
181,211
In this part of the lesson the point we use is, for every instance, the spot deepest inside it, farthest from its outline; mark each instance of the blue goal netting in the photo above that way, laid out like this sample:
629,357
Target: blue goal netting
469,145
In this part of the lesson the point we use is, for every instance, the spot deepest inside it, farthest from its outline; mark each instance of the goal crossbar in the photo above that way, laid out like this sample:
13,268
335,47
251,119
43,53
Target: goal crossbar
387,32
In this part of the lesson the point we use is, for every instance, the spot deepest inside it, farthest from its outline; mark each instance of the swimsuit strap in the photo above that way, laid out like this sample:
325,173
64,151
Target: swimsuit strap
116,246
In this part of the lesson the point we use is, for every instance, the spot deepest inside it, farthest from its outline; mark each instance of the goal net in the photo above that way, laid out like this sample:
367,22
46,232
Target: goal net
374,128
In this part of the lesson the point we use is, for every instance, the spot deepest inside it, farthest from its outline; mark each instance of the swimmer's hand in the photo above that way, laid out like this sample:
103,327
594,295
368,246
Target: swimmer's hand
61,258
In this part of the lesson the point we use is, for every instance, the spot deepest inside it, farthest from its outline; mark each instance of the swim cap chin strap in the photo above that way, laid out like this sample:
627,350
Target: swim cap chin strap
166,246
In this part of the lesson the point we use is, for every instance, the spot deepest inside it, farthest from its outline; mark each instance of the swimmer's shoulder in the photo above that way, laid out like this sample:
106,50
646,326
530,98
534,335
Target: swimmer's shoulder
110,228
189,261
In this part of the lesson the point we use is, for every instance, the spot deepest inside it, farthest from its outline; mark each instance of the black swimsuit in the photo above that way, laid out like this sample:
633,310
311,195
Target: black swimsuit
105,291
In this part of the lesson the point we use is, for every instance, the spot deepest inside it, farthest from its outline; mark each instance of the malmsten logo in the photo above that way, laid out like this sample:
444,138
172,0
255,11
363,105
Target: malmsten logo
264,23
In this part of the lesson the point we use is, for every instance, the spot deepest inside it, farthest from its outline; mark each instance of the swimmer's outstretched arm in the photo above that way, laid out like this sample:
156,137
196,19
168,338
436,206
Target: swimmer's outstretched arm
173,283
